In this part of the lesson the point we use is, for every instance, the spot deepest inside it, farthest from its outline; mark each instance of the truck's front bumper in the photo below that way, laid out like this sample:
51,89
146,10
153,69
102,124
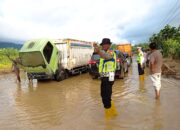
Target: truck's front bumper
41,75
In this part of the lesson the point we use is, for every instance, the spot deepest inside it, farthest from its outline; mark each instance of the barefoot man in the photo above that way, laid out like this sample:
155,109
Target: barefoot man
155,64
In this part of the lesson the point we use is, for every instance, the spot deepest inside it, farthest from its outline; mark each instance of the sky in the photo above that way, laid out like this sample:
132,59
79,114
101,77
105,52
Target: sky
90,20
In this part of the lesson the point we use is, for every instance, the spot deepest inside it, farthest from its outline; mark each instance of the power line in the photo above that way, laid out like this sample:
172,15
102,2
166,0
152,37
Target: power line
174,16
172,11
176,10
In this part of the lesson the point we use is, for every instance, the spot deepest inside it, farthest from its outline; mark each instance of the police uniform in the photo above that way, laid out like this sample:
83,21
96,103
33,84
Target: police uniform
107,68
140,61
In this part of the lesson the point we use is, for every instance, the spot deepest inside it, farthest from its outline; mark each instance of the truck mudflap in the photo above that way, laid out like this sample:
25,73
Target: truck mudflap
41,75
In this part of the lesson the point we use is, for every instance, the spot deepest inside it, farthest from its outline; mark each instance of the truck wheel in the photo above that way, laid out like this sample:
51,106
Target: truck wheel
60,75
66,74
57,76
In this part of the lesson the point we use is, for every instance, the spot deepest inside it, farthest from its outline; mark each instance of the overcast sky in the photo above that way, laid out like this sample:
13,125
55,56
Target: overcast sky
91,20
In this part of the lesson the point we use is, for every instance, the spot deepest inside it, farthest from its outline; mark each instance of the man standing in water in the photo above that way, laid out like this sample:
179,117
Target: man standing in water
155,64
107,67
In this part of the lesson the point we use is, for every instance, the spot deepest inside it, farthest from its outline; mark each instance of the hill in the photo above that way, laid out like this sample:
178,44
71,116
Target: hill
5,44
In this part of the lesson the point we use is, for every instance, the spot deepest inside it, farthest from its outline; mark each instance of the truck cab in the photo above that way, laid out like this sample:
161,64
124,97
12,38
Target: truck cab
41,59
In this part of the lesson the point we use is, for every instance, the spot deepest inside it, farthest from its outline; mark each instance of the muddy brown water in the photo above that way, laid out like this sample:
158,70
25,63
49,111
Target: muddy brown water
75,104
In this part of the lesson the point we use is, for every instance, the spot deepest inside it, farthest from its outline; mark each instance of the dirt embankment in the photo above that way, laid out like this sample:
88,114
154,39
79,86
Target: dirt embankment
171,68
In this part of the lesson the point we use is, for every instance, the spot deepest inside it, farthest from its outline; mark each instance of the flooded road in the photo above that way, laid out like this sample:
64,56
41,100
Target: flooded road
75,104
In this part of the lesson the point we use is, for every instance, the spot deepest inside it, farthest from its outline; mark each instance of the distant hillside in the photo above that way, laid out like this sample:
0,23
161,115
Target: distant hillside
4,44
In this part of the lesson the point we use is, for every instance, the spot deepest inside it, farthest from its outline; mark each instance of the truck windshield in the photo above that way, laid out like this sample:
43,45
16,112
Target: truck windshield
32,59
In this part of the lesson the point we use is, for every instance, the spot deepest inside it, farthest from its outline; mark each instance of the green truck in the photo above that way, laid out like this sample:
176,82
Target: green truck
55,59
41,60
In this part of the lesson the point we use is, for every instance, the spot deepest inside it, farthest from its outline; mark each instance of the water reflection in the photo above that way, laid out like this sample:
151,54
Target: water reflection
39,105
142,86
158,120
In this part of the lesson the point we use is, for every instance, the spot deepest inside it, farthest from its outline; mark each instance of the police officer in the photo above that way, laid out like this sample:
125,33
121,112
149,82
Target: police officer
107,67
140,61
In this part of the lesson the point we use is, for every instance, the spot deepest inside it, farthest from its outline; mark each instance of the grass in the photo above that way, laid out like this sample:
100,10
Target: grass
6,66
5,63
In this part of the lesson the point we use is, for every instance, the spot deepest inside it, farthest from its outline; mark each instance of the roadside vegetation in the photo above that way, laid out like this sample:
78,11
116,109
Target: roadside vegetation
168,40
5,62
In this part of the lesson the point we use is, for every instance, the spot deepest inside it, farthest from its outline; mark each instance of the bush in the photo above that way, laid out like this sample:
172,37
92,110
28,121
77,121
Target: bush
5,62
171,48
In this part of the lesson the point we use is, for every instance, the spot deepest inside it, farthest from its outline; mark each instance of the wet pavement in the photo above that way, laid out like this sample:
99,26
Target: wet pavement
75,104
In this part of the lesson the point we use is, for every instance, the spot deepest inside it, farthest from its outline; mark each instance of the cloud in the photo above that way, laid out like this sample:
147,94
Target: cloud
157,18
91,20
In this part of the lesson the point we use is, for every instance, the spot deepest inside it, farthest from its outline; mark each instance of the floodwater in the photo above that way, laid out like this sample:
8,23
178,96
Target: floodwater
75,104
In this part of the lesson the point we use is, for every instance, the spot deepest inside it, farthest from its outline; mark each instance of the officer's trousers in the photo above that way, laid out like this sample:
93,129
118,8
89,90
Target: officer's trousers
140,69
106,91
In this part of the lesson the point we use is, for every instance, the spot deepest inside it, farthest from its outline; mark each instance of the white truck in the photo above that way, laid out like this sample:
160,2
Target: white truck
75,54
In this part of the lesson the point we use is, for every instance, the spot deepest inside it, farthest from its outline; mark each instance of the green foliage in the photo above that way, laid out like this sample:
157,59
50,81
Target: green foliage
166,33
144,46
168,39
171,48
5,54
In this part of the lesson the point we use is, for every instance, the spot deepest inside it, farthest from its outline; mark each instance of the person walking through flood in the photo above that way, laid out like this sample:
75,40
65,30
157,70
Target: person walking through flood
140,61
107,67
15,69
155,64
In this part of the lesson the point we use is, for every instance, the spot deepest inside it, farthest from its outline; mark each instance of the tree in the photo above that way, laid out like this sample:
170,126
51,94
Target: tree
144,46
166,33
168,39
7,54
172,48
